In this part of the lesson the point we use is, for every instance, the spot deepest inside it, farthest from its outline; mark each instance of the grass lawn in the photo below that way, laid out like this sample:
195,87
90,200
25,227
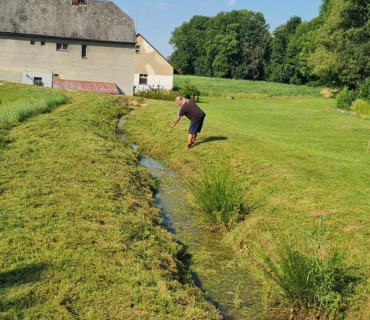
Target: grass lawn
297,159
80,238
244,88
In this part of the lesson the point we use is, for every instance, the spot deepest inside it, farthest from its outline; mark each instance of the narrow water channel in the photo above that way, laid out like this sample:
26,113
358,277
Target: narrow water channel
213,265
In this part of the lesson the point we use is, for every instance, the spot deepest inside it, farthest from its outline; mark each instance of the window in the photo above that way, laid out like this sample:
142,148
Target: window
32,42
143,79
137,48
84,52
62,46
42,43
79,2
38,82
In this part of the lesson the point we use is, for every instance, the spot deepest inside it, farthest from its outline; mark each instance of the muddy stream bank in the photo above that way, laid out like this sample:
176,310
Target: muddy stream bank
213,265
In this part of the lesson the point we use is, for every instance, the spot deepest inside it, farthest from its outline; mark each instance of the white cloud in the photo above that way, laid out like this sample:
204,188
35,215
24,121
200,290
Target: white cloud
231,2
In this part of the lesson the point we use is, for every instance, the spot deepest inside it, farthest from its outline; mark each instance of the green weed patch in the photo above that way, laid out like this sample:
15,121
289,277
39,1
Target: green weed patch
314,283
217,198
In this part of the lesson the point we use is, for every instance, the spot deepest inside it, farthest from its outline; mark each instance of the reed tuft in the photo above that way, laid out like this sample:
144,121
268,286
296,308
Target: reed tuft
311,281
217,197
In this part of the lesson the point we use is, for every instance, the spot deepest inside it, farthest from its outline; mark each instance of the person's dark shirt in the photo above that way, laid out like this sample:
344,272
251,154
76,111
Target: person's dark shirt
191,111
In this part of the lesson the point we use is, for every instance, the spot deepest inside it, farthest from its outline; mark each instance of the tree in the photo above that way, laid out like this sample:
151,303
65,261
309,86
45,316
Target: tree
224,49
188,46
231,44
280,66
300,48
342,55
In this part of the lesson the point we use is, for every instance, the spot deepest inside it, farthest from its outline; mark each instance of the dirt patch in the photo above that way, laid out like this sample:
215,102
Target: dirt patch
319,213
138,103
329,93
352,227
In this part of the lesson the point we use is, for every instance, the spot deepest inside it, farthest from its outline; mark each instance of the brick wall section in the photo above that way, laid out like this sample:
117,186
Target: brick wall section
101,87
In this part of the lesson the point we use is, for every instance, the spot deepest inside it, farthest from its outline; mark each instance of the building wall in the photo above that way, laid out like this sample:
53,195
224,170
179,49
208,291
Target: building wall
149,61
105,62
30,76
154,81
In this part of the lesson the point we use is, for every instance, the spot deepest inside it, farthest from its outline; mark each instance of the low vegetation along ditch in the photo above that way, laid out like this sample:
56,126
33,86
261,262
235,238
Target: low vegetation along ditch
281,182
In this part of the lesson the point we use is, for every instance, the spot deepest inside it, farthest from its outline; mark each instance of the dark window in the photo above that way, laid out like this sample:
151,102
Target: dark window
137,48
84,51
78,2
32,42
143,79
42,43
62,46
38,81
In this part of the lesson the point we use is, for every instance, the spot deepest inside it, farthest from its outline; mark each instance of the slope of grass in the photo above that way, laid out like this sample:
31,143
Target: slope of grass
299,159
245,88
20,102
80,238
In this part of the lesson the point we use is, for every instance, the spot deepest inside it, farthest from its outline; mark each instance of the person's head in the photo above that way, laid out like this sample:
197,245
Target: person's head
179,100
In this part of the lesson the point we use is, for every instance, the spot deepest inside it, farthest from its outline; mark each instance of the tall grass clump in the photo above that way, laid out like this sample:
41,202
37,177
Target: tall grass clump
217,197
19,103
28,105
158,94
314,283
361,107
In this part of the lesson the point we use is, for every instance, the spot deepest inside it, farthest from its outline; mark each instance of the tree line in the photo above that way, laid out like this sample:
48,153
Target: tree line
332,49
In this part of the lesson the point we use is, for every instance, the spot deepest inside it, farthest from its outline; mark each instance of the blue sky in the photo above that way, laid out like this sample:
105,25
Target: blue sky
155,20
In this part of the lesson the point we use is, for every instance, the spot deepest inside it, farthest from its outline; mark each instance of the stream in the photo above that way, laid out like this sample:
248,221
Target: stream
213,265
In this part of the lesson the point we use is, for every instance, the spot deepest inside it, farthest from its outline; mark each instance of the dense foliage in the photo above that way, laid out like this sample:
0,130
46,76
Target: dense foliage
229,45
329,50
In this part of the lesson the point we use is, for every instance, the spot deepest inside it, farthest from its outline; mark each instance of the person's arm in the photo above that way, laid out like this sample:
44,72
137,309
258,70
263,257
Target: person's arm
175,122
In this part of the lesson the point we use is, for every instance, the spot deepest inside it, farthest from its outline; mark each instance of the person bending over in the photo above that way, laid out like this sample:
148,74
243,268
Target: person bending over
196,116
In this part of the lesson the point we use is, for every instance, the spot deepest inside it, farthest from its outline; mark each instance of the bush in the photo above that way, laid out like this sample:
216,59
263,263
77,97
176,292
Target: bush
345,98
364,90
217,197
190,91
361,106
312,282
158,94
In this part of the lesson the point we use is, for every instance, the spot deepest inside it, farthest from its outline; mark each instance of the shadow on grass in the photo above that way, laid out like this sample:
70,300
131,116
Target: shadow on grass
184,260
19,300
21,276
210,139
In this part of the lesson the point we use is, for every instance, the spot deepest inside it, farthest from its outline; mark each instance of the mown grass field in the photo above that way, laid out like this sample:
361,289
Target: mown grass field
297,159
80,238
244,88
